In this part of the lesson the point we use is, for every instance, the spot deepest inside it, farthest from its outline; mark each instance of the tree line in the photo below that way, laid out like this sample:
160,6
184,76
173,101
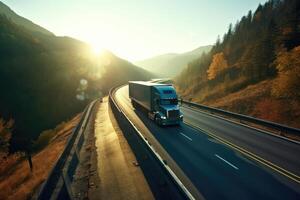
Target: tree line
262,45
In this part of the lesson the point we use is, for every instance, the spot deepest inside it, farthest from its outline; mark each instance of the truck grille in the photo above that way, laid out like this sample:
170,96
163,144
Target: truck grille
173,114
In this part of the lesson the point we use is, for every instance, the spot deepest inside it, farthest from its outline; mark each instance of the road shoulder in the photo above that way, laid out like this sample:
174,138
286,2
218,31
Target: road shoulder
117,173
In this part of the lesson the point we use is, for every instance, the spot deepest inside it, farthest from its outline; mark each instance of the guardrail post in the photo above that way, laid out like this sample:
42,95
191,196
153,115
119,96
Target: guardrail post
281,132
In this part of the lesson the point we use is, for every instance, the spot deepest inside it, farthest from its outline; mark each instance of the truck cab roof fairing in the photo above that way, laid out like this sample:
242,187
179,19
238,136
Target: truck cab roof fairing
149,83
166,91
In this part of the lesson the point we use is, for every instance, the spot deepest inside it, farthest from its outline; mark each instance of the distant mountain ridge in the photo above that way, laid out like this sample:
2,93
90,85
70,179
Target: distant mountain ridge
171,64
21,21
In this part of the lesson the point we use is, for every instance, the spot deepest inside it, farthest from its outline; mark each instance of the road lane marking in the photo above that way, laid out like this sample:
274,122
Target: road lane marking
186,136
253,156
232,165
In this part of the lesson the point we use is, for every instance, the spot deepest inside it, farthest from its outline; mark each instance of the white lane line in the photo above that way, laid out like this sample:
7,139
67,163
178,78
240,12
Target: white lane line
186,136
226,161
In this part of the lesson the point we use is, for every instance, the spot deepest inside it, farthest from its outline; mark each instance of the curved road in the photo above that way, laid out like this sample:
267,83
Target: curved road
225,160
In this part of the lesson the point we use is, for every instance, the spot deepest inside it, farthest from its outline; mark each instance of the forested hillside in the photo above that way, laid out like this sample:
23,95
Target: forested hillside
261,51
21,21
45,79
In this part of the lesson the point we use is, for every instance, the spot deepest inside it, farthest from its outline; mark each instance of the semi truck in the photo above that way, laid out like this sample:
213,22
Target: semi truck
159,101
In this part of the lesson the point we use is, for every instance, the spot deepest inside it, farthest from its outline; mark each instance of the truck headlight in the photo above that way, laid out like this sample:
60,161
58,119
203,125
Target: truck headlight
163,117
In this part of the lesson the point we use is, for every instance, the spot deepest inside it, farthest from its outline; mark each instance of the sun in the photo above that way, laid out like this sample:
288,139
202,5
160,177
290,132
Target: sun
97,49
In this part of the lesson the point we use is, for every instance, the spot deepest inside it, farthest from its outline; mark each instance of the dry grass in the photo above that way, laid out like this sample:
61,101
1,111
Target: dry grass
243,100
7,163
256,100
19,182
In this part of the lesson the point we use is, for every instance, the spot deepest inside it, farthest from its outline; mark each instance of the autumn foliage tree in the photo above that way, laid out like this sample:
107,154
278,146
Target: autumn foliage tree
287,84
218,64
247,54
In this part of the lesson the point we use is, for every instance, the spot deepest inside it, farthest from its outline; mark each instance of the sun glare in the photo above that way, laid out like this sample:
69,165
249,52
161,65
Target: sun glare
97,49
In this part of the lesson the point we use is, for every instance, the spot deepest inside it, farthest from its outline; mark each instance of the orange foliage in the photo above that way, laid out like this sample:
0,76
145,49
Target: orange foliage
268,109
255,100
218,64
287,83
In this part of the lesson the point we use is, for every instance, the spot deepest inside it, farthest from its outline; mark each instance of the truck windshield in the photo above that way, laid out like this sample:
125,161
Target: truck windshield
169,101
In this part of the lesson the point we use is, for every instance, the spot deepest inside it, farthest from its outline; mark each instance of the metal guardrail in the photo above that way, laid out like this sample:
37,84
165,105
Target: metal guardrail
279,127
58,183
120,114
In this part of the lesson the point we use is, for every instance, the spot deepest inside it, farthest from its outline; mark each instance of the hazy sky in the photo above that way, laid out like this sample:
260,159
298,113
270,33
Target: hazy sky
137,29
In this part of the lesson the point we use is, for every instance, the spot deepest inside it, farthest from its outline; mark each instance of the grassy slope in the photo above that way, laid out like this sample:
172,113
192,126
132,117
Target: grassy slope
256,100
16,180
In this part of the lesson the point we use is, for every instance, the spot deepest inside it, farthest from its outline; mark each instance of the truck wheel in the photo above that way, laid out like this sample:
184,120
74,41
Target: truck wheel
157,121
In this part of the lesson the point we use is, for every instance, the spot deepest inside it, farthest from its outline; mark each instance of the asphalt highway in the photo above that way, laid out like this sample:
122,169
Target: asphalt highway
225,160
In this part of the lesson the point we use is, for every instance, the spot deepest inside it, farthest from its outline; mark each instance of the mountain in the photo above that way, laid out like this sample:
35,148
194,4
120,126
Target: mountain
5,10
45,79
119,71
169,65
255,68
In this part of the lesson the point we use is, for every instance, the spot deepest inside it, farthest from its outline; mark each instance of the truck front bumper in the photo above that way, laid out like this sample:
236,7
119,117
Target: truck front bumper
171,121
